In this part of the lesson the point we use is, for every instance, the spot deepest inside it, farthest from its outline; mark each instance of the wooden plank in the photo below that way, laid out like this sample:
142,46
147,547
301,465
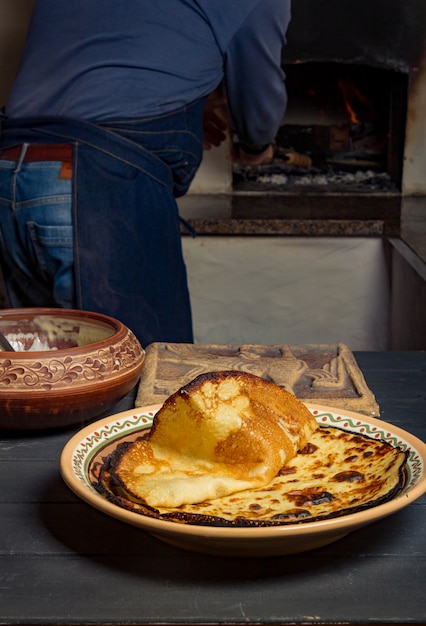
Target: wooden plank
29,481
77,528
199,590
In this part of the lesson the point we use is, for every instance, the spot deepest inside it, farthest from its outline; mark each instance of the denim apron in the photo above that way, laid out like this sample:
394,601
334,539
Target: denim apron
128,260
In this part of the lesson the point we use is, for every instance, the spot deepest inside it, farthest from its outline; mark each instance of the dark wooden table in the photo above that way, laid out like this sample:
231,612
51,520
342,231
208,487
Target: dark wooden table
62,562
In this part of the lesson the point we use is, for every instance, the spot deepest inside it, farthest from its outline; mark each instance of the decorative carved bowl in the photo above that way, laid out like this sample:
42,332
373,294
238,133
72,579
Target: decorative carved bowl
68,366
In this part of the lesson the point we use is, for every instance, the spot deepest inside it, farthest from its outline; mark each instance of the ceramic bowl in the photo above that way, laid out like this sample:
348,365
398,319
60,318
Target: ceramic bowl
68,366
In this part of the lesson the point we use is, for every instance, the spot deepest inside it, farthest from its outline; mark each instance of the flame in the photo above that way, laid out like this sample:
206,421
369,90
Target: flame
351,95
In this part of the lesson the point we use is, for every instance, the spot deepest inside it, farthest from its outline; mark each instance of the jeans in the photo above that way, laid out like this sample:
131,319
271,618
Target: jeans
109,240
36,234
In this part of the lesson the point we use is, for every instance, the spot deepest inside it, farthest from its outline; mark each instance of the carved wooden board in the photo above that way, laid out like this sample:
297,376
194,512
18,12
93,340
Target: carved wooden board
325,374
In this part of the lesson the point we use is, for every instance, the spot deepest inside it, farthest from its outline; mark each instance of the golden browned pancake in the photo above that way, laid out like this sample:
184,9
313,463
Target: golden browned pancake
337,473
222,433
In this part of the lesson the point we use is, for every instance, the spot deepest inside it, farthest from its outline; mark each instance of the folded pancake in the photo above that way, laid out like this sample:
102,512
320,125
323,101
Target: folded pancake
336,473
222,433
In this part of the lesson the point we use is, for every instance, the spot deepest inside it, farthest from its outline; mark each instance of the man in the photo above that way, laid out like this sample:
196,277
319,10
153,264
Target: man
103,129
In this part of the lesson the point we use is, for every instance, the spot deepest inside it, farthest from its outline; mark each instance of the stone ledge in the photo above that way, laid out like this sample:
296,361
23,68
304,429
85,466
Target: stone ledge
301,228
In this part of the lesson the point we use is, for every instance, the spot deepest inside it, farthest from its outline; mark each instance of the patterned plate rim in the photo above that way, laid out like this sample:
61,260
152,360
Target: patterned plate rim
102,433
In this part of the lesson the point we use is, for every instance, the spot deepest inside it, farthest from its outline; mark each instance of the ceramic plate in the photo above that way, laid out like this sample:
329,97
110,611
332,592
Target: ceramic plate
84,453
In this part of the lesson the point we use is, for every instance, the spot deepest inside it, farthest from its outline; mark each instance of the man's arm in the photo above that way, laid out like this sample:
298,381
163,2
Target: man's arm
254,80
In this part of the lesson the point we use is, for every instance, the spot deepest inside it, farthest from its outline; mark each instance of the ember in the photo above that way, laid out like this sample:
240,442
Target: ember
291,178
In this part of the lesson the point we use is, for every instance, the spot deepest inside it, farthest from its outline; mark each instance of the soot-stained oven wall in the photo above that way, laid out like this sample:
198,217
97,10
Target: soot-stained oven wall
379,35
384,33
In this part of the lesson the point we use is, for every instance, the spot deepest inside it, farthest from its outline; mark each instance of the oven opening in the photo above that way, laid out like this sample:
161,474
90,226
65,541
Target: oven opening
343,131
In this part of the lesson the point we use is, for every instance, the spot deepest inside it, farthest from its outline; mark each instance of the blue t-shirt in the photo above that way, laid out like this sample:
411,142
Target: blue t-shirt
106,59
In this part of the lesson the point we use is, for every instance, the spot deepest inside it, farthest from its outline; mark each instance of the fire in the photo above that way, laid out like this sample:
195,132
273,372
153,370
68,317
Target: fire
351,98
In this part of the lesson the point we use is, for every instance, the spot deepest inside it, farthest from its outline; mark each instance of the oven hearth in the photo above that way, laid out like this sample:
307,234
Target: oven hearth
356,78
281,177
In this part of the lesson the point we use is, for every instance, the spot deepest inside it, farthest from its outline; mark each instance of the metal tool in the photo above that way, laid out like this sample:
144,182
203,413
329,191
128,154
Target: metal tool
4,344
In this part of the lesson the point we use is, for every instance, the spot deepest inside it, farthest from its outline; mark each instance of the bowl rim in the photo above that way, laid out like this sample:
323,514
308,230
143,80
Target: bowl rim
119,328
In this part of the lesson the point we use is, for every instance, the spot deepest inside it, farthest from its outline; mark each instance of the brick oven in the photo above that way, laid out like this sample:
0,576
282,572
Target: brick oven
355,124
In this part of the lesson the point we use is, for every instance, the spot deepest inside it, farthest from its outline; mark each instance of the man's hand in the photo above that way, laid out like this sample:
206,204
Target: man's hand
215,126
253,160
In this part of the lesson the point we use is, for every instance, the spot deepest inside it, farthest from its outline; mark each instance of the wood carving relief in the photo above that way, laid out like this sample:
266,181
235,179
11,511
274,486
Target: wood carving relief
319,374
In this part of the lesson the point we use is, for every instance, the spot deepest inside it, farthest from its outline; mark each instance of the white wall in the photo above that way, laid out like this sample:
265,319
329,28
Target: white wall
267,290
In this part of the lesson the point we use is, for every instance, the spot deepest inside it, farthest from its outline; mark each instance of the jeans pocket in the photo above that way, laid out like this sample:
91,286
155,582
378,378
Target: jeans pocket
183,165
52,247
184,177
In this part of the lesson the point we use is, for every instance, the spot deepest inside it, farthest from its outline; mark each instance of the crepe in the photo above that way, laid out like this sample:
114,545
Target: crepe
336,473
222,433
